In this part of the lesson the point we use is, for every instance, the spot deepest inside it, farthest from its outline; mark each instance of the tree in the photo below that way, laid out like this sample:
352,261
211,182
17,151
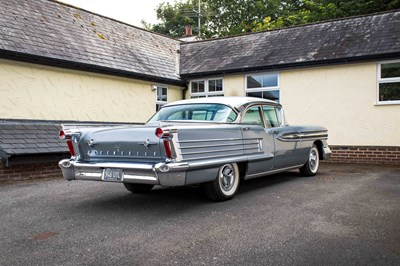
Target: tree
174,19
229,17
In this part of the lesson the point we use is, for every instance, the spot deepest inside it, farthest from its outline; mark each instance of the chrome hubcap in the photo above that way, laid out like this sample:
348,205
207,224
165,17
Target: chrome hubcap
313,159
227,177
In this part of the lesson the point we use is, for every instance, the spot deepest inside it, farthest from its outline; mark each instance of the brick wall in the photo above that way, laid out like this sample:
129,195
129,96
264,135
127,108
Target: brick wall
365,154
29,171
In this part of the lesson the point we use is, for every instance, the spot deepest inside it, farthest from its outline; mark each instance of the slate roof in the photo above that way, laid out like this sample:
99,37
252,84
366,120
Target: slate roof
19,138
30,138
338,41
48,32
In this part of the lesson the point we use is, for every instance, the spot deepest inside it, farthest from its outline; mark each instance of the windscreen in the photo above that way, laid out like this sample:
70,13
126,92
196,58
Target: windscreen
196,112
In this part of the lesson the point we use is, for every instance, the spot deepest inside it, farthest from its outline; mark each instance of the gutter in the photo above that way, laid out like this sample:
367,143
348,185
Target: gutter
62,63
4,157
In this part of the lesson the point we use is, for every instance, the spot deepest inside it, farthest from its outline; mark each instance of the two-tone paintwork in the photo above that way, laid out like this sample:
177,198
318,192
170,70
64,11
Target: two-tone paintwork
198,148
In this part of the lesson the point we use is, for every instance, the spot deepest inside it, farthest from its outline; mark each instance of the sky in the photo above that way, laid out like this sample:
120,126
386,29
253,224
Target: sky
128,11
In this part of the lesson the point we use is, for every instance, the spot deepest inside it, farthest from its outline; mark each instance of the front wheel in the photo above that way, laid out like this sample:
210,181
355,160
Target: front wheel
225,186
138,188
310,168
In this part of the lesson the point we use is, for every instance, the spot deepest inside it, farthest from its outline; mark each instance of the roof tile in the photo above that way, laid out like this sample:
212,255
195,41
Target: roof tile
58,31
364,36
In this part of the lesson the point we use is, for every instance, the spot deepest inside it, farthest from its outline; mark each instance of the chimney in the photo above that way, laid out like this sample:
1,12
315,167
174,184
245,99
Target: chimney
188,30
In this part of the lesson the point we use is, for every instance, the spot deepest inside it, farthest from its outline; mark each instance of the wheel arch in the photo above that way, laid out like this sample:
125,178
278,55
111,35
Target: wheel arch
320,147
242,169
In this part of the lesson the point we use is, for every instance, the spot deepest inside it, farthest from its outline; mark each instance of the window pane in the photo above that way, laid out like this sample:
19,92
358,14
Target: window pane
215,95
271,117
254,82
391,70
212,85
201,86
389,91
215,85
219,85
270,80
252,116
161,94
197,86
257,94
203,112
271,95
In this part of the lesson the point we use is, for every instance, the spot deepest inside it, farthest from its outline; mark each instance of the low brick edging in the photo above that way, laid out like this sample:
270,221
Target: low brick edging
29,171
340,154
388,155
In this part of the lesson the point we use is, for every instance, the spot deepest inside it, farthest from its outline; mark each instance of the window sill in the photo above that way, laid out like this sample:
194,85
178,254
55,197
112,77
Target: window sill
387,103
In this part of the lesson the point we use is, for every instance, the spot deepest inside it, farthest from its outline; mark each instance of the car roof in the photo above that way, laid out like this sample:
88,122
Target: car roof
232,101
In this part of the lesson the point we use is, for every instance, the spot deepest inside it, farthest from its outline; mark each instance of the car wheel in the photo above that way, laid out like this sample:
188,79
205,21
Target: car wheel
225,186
138,188
310,168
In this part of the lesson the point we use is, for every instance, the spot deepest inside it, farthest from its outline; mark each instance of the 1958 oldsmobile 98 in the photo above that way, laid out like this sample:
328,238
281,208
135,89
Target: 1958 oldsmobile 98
213,141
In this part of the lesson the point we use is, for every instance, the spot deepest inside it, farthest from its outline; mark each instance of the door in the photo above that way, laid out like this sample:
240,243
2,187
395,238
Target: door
256,141
287,145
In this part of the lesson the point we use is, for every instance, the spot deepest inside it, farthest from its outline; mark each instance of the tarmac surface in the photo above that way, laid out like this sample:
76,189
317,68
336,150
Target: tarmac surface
346,215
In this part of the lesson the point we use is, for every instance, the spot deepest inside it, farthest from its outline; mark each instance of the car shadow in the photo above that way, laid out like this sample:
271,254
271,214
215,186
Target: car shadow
179,197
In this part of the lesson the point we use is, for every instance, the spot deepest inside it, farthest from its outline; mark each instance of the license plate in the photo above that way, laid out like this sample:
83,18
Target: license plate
112,175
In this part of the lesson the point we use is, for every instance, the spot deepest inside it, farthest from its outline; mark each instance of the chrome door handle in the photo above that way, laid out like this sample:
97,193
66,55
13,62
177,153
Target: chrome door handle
246,128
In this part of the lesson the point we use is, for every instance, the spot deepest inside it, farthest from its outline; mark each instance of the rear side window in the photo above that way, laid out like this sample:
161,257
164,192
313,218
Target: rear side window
253,116
272,116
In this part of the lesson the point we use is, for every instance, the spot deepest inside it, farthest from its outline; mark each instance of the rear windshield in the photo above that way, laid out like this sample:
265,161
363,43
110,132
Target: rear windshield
196,112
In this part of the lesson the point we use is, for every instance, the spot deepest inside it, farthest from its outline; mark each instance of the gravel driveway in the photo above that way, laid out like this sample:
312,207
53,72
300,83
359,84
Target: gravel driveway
346,215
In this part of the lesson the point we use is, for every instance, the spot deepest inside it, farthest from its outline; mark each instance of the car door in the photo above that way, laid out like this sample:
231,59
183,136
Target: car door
256,142
287,145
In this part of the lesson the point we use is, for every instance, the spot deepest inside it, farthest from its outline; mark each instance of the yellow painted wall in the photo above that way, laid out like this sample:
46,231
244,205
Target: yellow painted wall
343,99
29,91
234,85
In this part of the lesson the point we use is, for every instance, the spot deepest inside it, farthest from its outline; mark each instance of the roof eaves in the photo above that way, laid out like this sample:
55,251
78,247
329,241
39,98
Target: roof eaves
36,59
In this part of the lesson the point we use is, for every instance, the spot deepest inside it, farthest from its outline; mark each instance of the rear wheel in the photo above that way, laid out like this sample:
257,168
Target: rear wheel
310,168
225,186
138,188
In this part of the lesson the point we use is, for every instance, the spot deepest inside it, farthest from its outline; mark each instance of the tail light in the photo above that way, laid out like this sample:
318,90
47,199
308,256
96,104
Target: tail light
164,135
167,147
71,147
67,135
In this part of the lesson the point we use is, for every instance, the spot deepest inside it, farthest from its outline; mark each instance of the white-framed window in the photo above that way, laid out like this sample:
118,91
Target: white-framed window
264,85
388,87
161,96
206,88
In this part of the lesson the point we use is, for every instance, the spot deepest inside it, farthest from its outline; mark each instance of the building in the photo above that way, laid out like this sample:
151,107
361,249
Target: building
61,64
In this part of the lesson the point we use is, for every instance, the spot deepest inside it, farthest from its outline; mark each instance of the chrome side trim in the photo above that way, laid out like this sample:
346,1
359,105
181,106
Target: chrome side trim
304,136
208,146
212,151
235,159
209,140
272,172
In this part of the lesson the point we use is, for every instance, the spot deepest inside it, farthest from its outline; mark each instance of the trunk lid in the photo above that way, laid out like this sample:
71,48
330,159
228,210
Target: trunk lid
124,143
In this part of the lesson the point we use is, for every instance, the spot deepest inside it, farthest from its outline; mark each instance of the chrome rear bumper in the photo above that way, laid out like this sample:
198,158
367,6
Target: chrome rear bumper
171,174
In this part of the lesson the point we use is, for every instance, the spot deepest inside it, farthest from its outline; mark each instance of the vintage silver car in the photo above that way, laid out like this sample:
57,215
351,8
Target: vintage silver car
215,142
